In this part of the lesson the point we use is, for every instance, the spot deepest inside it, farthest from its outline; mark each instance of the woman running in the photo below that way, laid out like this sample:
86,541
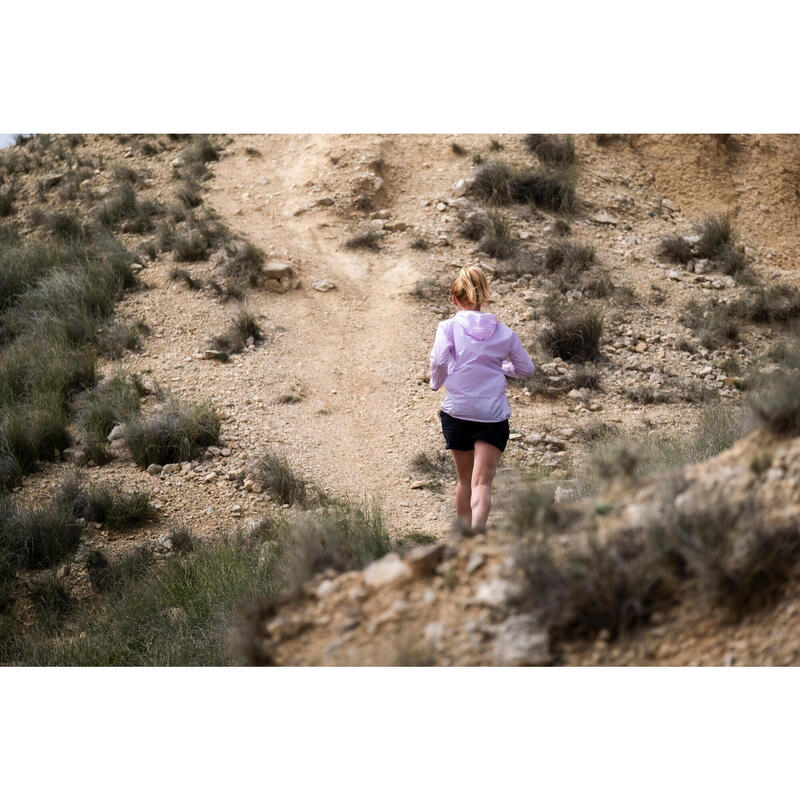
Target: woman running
472,355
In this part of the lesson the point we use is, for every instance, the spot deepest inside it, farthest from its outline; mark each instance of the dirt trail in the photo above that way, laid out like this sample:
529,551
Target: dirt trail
353,352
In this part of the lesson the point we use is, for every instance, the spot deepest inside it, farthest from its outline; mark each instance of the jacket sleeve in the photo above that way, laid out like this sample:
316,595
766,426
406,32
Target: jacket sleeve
440,357
519,364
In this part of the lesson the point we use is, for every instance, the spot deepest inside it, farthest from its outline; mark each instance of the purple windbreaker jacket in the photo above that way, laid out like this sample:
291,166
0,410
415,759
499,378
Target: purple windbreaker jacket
472,355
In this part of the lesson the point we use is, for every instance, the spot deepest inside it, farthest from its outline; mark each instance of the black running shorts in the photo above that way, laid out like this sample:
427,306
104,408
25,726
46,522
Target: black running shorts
461,434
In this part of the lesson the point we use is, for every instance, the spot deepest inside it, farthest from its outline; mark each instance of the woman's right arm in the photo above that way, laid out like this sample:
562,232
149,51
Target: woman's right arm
521,365
440,357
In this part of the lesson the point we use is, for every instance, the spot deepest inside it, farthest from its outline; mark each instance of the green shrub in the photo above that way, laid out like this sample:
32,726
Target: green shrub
64,226
574,333
244,326
551,149
777,403
176,432
501,183
8,195
738,560
123,207
191,245
602,587
715,324
675,249
189,194
99,409
242,262
179,274
109,505
40,536
718,242
342,536
277,476
492,231
119,336
50,596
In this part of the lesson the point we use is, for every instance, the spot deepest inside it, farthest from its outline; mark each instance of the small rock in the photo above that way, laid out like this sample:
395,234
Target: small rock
441,206
603,219
52,178
323,285
424,559
461,186
117,432
154,469
170,469
522,642
386,571
476,561
562,494
75,455
324,589
434,632
276,271
496,593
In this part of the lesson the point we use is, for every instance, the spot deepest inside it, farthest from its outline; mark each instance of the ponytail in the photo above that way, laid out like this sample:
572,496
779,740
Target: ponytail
470,287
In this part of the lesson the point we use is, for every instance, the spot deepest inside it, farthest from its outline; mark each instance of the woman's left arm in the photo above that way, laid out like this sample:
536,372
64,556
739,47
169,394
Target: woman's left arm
440,357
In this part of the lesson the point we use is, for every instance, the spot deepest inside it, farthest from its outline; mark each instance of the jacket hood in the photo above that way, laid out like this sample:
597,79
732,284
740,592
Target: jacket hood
478,325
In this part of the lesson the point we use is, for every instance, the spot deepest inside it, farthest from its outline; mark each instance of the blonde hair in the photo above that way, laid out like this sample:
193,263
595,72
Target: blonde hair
471,287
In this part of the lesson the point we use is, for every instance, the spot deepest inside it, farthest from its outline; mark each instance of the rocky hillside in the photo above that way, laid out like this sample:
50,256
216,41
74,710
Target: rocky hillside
698,567
292,285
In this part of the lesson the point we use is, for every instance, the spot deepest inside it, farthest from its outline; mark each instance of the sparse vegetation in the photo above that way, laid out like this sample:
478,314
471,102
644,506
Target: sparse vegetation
436,468
551,149
120,336
244,329
567,260
193,244
501,183
492,231
8,195
122,207
242,262
180,274
99,409
109,505
370,240
777,403
176,432
277,476
574,333
715,325
675,249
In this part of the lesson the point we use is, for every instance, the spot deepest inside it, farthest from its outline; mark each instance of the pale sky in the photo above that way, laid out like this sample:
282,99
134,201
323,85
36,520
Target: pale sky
6,139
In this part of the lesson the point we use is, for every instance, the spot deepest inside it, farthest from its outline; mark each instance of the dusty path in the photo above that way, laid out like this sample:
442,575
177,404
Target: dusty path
355,353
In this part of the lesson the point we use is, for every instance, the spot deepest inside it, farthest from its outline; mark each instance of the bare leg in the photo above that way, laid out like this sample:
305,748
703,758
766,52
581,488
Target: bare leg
487,457
464,460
